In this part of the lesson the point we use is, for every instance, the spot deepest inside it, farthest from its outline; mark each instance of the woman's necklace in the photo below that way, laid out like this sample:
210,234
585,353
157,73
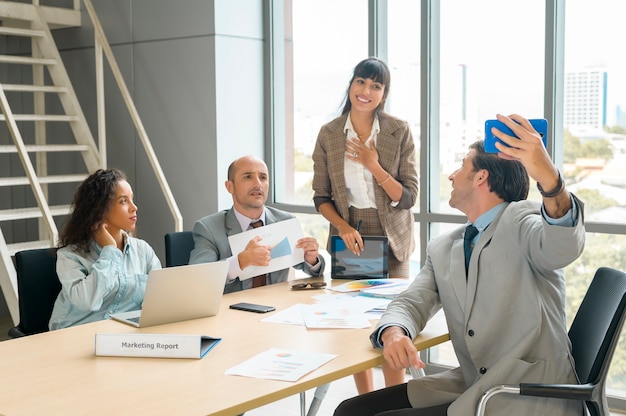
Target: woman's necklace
362,137
368,128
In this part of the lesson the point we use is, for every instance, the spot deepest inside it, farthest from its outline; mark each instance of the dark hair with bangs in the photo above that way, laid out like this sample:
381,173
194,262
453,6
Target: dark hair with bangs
374,69
91,202
507,178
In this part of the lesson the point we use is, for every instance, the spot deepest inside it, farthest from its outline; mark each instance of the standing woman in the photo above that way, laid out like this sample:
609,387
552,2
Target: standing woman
365,172
102,269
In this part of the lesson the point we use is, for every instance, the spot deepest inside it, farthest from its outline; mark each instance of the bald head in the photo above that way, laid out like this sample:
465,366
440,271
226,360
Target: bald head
248,183
243,161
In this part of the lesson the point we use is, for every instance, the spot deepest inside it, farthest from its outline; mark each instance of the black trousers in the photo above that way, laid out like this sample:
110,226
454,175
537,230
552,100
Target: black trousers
390,401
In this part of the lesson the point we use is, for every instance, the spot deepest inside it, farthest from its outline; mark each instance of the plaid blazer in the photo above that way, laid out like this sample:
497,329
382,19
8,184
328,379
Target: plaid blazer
396,154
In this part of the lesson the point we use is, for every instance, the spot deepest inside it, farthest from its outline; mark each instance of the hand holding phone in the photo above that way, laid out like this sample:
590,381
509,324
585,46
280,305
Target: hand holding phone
540,125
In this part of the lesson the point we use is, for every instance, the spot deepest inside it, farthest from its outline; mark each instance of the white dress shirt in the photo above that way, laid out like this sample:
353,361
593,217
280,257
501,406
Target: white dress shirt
359,180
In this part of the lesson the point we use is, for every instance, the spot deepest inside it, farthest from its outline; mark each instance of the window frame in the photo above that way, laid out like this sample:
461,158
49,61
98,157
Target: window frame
554,81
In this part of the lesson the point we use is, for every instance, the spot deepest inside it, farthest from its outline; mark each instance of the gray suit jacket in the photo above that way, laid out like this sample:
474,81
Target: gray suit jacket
210,236
507,322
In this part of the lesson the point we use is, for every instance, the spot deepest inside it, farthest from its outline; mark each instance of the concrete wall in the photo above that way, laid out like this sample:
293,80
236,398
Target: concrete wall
195,70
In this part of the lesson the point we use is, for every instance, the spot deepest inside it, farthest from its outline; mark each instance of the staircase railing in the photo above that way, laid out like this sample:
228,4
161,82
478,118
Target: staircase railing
102,46
40,16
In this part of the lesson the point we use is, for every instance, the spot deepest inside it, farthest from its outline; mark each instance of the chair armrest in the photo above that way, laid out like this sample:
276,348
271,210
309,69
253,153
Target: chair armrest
583,392
558,391
502,388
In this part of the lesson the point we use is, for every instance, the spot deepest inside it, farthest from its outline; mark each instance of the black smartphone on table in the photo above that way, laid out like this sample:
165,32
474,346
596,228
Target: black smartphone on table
252,307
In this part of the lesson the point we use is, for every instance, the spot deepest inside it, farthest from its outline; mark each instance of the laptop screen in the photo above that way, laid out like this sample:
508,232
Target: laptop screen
371,264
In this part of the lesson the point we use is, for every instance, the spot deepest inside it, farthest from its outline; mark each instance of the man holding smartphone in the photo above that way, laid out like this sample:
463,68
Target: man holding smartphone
248,183
505,309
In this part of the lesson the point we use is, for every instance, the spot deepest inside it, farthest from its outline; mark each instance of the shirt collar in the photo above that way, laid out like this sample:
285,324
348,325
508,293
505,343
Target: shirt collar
125,240
244,221
348,126
486,218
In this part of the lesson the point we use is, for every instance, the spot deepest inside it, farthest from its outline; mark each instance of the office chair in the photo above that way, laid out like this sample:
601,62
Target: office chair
37,287
178,246
594,334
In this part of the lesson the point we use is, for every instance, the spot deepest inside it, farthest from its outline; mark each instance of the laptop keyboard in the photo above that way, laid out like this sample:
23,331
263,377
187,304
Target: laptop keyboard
134,319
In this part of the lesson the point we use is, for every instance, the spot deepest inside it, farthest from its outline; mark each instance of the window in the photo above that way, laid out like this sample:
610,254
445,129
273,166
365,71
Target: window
485,59
323,42
402,50
595,125
594,151
491,62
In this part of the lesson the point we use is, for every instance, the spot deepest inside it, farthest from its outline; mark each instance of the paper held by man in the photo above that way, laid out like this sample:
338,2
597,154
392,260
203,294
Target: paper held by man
282,236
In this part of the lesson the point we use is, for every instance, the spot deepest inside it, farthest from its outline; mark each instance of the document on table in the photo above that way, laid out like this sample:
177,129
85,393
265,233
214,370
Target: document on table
282,236
278,364
390,291
327,315
292,315
324,315
358,285
371,307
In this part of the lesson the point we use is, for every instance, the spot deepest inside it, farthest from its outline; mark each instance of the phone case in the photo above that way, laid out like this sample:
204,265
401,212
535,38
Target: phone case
540,124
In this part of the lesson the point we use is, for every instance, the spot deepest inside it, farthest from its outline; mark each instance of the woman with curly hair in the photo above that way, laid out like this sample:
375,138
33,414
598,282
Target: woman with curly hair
102,269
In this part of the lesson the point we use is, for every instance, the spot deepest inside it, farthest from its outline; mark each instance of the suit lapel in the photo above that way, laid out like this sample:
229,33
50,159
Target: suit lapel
457,271
472,274
336,166
231,224
386,143
269,217
384,158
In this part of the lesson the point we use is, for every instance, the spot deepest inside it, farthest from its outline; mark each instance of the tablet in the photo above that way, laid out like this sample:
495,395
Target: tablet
371,264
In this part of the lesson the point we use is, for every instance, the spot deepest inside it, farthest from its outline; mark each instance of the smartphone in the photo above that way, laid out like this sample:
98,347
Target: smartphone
539,124
252,307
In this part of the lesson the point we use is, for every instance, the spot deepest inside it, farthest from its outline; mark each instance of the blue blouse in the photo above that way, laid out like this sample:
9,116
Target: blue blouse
101,282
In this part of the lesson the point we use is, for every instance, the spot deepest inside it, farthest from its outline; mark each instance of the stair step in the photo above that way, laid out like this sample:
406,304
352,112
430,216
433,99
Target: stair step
28,245
34,88
35,212
28,60
41,117
15,31
47,148
23,180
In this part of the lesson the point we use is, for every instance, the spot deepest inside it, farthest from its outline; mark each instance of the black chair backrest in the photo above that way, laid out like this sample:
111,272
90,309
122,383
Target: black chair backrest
178,246
38,287
596,328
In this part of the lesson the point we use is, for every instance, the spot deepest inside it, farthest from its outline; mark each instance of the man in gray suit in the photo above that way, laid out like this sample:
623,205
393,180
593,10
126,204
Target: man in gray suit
248,183
505,309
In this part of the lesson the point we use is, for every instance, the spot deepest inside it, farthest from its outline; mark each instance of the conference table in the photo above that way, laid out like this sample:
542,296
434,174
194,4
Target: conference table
57,373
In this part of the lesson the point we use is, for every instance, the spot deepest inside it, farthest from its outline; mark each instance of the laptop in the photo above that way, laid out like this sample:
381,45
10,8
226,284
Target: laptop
175,294
371,264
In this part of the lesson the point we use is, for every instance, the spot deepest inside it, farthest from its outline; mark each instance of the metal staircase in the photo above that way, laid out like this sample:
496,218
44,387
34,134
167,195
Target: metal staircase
46,146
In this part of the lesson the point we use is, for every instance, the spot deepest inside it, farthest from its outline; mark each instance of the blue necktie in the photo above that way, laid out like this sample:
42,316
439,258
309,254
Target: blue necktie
470,233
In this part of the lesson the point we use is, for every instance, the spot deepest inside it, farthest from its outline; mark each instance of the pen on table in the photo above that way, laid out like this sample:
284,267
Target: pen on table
358,229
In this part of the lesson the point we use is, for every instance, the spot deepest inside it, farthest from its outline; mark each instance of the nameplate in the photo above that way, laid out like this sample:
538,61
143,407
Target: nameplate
154,345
